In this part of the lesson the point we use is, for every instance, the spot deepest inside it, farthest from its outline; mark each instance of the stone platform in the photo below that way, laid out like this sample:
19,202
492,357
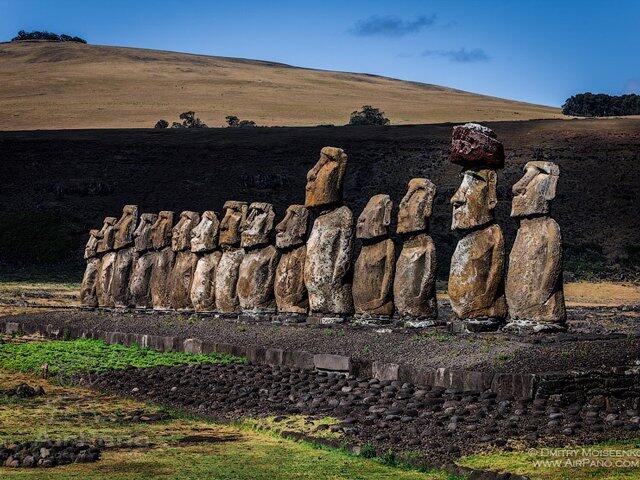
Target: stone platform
600,351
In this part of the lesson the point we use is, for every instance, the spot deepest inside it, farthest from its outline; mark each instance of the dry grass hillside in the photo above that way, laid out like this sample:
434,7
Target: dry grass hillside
47,85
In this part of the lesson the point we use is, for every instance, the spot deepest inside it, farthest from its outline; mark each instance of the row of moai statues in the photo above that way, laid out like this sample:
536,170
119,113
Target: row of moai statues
233,267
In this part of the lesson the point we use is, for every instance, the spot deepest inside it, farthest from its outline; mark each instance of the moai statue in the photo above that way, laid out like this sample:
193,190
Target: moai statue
327,267
185,262
88,293
123,244
374,268
534,280
414,287
161,232
289,288
204,243
258,267
107,261
226,294
145,257
476,278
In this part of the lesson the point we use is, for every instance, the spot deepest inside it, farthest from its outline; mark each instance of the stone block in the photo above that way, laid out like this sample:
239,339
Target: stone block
334,363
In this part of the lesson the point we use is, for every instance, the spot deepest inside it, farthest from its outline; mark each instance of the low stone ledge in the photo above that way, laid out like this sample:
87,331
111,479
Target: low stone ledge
332,363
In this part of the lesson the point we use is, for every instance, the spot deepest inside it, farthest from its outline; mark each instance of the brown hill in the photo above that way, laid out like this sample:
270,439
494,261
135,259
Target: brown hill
58,184
46,85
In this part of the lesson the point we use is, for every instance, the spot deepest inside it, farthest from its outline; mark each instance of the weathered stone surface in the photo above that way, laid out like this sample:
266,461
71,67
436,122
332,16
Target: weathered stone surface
476,146
373,278
375,266
325,179
256,280
416,206
475,200
476,283
143,261
125,227
534,280
327,269
289,288
105,277
123,266
231,225
123,244
106,235
88,293
203,284
414,288
204,237
179,281
292,230
258,225
140,283
226,293
161,232
333,363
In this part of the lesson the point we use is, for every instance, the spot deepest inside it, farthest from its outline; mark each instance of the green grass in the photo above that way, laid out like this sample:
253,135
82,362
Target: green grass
85,355
615,460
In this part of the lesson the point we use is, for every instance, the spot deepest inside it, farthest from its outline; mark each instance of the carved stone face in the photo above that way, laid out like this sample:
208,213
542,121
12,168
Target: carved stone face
142,234
204,238
292,230
416,206
325,179
475,200
476,146
181,234
161,230
90,250
235,214
374,220
258,225
106,235
126,226
533,192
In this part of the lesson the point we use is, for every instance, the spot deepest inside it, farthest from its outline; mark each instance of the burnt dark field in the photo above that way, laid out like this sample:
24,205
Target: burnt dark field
58,184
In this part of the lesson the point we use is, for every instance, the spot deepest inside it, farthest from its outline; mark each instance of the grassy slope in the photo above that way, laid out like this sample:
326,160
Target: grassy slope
162,449
55,86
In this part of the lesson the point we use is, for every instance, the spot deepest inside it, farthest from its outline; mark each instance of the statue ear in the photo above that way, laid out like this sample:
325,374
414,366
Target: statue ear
388,206
492,181
550,190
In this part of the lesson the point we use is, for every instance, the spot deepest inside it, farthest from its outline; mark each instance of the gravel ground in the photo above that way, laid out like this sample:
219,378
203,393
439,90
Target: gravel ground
439,424
596,338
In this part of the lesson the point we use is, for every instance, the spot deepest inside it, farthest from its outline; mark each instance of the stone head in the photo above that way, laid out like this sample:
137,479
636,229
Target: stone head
106,235
161,230
475,200
375,219
204,238
258,225
325,179
292,230
181,233
126,226
416,206
476,146
235,214
91,249
533,192
142,234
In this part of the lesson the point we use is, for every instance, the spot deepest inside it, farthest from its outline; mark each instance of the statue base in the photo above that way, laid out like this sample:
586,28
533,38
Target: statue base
326,319
419,322
367,319
532,326
474,325
256,316
290,318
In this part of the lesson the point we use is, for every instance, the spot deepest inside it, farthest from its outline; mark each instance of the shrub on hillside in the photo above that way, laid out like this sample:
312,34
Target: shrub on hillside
162,123
233,121
189,120
368,116
601,105
52,37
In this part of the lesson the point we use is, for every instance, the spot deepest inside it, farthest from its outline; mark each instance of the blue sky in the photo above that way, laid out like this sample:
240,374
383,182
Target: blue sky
538,51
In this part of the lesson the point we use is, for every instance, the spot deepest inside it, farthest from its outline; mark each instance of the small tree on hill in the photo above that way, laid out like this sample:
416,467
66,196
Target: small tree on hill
161,124
246,123
189,120
232,120
368,116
